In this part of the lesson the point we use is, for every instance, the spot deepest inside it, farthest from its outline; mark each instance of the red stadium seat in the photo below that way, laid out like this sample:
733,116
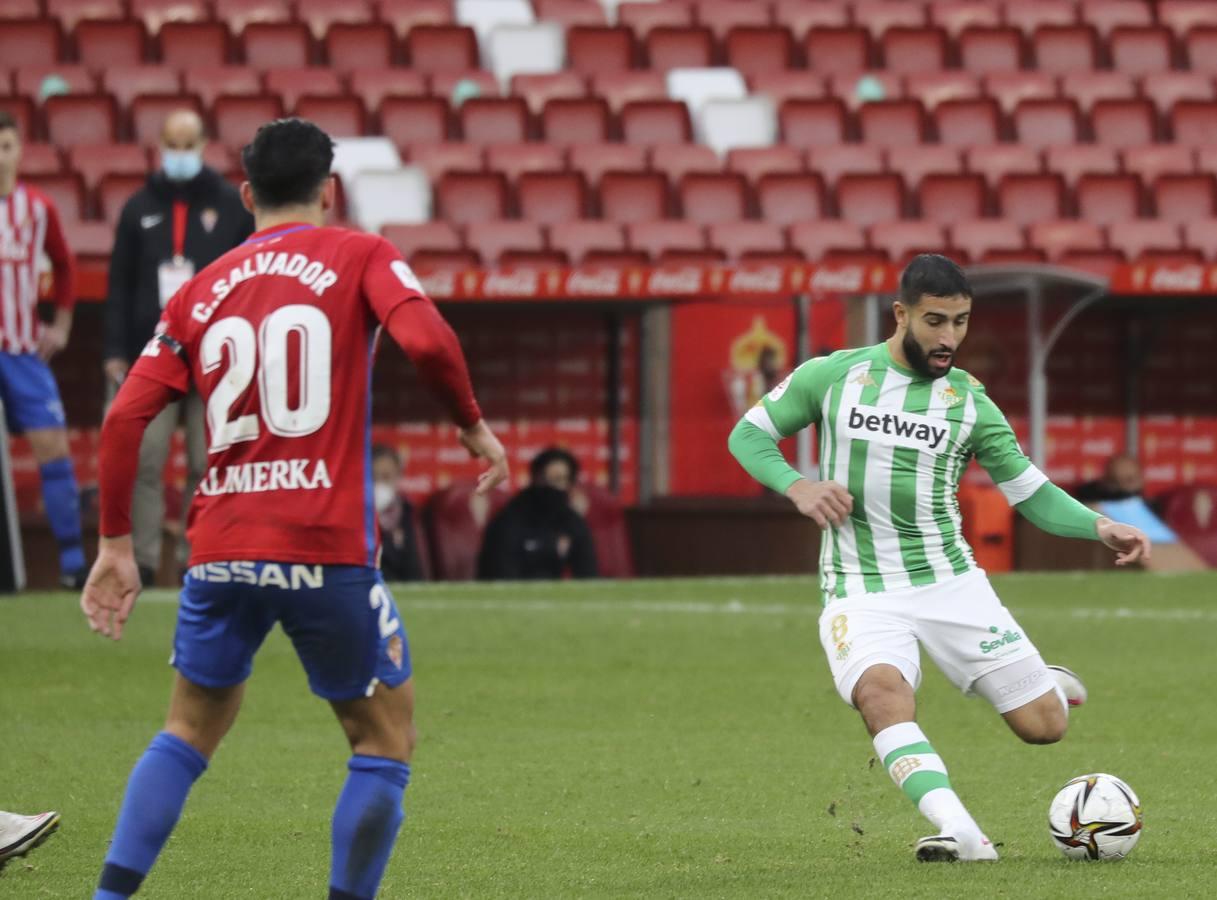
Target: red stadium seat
1087,88
947,198
404,15
1028,17
854,88
122,42
1182,198
66,191
1031,198
552,197
441,48
1148,236
337,116
968,122
1109,15
71,12
753,50
593,50
881,15
293,83
755,162
1141,50
1065,49
641,17
81,119
125,83
998,160
661,237
113,193
1188,510
494,120
277,45
40,159
1194,122
30,43
513,160
578,239
92,161
991,49
1200,49
414,120
1039,123
1010,89
677,160
438,158
837,49
465,197
833,161
633,196
1056,238
444,84
20,9
955,16
238,118
655,122
1154,160
736,240
1165,89
1072,161
91,241
903,240
593,160
933,88
569,121
620,88
1181,16
322,15
1202,236
709,197
239,14
570,12
721,16
982,239
429,262
350,46
155,13
788,197
818,240
373,85
1123,123
672,48
537,90
915,162
867,199
812,123
892,122
455,518
209,83
1104,199
149,111
29,79
191,45
907,50
493,240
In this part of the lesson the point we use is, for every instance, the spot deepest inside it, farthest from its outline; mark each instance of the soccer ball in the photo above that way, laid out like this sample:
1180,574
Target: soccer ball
1095,817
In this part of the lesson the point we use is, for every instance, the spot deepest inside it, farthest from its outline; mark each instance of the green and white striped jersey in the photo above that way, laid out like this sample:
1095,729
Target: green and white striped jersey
899,442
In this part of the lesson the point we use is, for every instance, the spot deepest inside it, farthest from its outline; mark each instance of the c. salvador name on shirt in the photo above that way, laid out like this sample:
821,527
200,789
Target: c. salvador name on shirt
896,428
312,274
270,475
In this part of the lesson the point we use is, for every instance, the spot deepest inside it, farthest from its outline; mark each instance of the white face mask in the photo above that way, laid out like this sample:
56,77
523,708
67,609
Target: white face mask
383,495
181,165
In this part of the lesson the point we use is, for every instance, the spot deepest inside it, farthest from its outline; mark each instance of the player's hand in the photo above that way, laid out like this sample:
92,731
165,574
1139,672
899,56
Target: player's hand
825,501
53,339
112,587
481,443
1131,544
115,369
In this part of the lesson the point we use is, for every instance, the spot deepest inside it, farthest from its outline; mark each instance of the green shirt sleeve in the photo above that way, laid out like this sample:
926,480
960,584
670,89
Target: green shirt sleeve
1052,510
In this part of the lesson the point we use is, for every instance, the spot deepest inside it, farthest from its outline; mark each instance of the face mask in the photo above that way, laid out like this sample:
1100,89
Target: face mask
181,165
383,495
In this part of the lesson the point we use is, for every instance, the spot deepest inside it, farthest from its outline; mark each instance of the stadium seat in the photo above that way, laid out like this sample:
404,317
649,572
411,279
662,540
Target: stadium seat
641,16
754,240
902,240
945,198
593,50
492,240
149,111
537,90
353,156
414,120
20,9
1040,123
240,14
155,13
441,48
92,161
1194,122
125,83
1123,123
293,83
351,46
210,83
190,45
98,44
980,240
655,122
1165,89
525,50
1107,16
1200,49
22,111
455,518
513,160
832,161
454,86
754,162
709,197
892,123
907,50
464,197
430,262
578,239
401,195
1103,199
494,120
721,16
1181,16
70,12
1029,17
800,16
576,121
677,160
724,125
837,49
998,160
664,238
337,116
1066,236
1009,89
404,15
552,197
1139,238
1201,235
1087,88
695,86
812,123
752,50
277,45
991,49
445,156
31,79
785,198
593,160
1072,161
484,16
1182,198
1067,48
968,122
620,88
1031,198
569,13
817,239
80,119
868,199
882,15
1140,50
322,15
689,47
956,16
113,192
857,89
1188,510
40,159
66,191
373,85
30,43
1154,160
627,197
237,119
917,161
932,88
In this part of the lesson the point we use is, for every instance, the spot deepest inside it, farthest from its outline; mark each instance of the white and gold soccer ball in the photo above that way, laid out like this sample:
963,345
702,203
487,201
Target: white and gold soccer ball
1095,816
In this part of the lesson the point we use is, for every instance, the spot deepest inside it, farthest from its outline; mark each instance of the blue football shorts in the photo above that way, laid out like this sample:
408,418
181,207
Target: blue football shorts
30,395
341,620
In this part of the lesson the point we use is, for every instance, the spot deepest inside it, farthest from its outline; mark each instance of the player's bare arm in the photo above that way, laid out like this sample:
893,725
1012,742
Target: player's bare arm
827,502
113,584
481,443
54,337
1131,544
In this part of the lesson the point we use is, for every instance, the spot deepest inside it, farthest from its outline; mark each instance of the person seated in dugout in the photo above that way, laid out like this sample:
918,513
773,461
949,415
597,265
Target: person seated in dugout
399,559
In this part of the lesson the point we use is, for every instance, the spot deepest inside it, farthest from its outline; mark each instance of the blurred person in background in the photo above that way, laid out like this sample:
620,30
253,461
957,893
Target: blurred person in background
538,534
399,559
29,227
1122,479
185,217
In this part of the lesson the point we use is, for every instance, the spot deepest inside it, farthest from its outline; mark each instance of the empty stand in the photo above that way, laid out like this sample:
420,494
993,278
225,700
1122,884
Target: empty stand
968,122
785,198
350,47
190,45
401,195
724,125
869,199
685,47
494,240
526,49
293,83
905,50
1184,197
441,48
815,240
655,122
982,240
446,156
30,43
593,50
464,197
122,42
84,119
593,160
755,162
578,239
414,120
742,241
756,49
812,123
991,49
902,240
945,198
337,116
1104,199
633,196
515,159
583,120
552,197
489,120
538,89
709,197
666,238
677,160
1031,198
237,119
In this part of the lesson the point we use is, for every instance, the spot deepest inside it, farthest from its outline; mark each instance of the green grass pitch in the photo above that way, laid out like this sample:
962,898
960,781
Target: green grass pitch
639,739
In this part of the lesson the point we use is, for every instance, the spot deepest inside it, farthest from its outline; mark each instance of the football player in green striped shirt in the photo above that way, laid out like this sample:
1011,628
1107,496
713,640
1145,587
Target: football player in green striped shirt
897,425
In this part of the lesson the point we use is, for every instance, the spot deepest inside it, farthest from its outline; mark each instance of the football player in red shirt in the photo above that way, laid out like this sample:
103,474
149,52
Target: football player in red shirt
278,336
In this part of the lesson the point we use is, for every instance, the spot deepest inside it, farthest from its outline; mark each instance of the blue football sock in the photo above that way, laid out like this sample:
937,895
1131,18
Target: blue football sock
366,821
62,501
156,793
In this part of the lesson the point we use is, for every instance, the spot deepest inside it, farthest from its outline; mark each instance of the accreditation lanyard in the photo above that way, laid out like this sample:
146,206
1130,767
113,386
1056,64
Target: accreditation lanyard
174,273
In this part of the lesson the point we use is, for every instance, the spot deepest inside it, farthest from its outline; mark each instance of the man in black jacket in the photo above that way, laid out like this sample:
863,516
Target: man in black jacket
185,217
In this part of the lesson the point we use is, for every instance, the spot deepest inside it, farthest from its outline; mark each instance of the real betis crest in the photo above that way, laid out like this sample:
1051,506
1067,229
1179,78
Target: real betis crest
950,397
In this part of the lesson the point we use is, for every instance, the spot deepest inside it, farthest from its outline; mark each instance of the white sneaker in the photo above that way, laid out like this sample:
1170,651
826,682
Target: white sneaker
1075,691
948,848
21,834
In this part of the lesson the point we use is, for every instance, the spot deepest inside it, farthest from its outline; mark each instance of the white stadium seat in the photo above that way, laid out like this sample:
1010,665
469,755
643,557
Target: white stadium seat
484,16
724,125
526,50
400,195
696,86
355,155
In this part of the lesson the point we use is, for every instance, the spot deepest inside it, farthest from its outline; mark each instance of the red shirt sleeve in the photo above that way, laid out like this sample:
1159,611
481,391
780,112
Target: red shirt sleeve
164,357
63,262
388,280
432,346
137,403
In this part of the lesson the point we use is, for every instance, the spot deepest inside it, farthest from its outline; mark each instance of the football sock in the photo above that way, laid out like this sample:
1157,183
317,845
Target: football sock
155,796
919,771
366,821
62,501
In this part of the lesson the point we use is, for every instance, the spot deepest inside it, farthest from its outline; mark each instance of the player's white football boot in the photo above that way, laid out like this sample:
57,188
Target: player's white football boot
21,834
1075,691
948,848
